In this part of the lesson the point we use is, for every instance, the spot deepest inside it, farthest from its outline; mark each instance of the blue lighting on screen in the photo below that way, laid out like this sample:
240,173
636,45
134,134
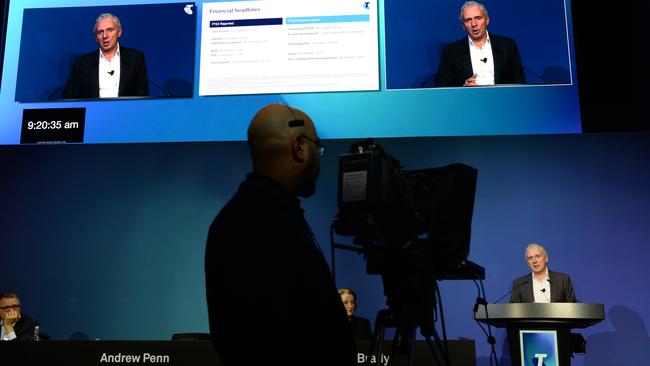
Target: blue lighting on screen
401,111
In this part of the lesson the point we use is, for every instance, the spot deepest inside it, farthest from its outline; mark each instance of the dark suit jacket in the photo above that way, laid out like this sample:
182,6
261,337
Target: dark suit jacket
360,327
84,77
560,283
24,328
456,66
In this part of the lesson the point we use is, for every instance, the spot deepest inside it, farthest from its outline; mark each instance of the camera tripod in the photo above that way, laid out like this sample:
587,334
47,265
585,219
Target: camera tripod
406,317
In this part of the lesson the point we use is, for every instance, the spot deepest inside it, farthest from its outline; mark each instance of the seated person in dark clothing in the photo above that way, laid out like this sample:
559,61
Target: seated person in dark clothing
360,326
15,325
113,71
481,58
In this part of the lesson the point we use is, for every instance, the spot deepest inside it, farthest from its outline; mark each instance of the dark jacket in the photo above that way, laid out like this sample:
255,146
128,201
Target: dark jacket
84,77
360,327
270,294
456,65
560,284
25,328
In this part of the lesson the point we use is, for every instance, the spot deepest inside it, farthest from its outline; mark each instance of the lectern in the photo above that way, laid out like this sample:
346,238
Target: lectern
531,326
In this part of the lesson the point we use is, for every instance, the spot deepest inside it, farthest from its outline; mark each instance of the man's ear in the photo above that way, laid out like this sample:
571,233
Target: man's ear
298,151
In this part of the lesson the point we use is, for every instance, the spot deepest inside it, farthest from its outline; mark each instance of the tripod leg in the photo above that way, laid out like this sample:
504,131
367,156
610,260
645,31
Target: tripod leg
437,349
403,349
376,347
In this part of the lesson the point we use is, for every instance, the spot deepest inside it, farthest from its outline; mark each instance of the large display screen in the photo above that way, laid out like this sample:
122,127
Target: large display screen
4,10
359,68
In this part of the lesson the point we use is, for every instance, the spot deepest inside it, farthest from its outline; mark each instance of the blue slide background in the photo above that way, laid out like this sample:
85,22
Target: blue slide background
107,241
416,32
384,113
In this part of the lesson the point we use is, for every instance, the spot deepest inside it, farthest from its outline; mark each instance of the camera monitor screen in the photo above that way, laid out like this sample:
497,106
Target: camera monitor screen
198,71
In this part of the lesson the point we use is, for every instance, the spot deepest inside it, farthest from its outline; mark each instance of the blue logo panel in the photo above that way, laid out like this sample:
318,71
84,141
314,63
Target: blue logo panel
538,347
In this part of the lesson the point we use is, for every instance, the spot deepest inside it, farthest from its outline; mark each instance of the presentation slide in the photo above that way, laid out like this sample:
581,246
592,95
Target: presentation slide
198,71
288,46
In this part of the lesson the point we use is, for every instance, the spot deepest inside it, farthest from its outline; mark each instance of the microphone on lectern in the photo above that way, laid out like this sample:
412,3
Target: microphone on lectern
511,290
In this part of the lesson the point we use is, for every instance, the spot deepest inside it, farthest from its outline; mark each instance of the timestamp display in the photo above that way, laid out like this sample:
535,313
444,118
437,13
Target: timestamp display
57,125
51,125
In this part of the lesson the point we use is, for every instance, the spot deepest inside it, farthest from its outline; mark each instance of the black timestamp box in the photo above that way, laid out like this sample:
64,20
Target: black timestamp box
53,125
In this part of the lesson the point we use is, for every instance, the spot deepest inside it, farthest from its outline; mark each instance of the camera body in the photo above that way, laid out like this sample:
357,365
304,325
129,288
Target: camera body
393,213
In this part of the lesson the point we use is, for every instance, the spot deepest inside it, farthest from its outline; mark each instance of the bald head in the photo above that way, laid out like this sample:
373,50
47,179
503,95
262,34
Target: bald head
270,132
280,139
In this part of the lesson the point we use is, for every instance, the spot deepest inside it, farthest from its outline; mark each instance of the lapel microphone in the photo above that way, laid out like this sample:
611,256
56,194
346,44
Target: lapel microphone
111,72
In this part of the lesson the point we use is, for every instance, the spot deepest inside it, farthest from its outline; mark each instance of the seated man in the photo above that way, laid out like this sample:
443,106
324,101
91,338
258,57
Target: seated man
15,325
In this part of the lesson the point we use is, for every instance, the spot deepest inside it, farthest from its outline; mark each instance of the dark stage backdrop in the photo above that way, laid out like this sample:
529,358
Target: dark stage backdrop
107,241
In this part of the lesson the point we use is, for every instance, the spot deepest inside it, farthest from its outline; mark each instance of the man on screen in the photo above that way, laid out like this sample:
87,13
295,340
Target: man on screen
542,286
112,72
480,58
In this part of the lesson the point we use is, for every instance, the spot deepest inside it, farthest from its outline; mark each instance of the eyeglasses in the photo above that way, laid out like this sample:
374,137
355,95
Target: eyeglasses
321,148
10,307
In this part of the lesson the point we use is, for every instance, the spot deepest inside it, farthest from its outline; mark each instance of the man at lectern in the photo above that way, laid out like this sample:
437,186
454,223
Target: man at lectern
542,285
113,71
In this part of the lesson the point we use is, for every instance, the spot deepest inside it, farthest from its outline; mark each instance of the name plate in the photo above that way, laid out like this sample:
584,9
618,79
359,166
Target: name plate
194,353
109,353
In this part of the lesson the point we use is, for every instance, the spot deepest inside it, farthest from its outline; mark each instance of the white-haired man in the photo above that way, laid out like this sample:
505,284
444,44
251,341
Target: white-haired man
541,285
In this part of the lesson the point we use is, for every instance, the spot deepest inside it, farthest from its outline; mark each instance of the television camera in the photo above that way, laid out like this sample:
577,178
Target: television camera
413,228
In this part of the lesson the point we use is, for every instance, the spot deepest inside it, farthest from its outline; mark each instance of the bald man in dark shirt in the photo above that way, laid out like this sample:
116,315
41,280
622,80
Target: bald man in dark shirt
271,297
